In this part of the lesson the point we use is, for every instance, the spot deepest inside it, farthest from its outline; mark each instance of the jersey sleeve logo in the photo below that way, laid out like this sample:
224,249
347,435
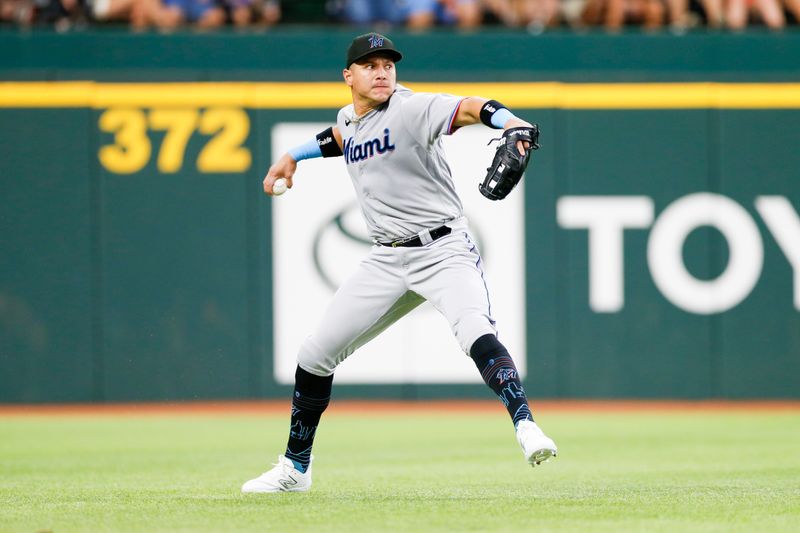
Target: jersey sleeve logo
353,153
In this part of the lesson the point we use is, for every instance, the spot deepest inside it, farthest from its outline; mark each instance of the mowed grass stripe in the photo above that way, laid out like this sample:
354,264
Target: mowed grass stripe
615,472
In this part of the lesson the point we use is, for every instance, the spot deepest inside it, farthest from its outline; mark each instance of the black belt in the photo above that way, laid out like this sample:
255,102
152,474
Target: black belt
420,239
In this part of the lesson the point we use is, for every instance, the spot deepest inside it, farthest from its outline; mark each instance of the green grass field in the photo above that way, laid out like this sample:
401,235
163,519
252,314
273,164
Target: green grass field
704,471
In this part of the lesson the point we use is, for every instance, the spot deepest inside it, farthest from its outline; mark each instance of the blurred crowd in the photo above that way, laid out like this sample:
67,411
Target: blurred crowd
534,15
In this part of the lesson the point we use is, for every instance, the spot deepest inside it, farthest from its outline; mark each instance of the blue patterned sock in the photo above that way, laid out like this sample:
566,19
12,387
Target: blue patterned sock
311,396
500,373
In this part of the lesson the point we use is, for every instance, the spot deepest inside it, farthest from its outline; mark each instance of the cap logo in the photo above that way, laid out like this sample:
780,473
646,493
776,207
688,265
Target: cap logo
375,41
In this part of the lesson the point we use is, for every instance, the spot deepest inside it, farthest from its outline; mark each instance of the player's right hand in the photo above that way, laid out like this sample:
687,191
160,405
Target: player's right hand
285,168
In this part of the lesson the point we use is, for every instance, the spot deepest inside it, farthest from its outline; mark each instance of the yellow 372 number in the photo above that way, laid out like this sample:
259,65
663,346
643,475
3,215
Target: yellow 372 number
132,148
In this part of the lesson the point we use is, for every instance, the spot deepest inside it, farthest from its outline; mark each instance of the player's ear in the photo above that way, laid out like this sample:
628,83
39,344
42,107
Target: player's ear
348,77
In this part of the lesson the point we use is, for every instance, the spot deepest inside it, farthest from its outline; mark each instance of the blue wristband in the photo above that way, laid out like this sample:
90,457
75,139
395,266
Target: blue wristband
308,150
500,117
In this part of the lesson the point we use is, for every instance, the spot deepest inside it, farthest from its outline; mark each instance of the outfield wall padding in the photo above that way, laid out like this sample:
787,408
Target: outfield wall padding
136,244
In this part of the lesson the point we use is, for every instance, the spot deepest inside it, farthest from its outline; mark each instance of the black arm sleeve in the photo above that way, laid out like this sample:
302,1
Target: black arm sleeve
327,143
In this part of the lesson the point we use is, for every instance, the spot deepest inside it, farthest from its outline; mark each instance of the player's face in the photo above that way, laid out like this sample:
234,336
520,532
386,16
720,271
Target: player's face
372,79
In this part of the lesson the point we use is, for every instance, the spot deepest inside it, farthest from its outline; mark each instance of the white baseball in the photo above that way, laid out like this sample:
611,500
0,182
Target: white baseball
279,187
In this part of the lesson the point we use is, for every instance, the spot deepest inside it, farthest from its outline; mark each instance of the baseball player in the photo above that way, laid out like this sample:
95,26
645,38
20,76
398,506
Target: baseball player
390,140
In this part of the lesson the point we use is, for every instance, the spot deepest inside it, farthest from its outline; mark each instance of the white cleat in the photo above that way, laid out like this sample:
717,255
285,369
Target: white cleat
536,446
284,477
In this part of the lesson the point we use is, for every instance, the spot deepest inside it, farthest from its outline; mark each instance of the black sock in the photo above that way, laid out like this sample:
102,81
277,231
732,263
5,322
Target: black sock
311,396
499,372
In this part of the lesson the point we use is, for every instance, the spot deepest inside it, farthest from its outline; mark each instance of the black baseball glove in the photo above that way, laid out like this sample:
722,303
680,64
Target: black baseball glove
508,165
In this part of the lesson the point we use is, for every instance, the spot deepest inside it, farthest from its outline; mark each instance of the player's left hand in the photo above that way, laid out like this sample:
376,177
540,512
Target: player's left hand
515,122
510,160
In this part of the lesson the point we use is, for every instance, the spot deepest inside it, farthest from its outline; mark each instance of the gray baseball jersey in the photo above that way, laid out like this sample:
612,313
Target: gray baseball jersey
395,157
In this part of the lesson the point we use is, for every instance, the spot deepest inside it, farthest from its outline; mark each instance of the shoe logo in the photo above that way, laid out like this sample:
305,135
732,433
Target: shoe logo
287,483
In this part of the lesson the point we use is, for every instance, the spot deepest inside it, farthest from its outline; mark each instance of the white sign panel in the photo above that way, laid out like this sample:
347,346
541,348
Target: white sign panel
319,237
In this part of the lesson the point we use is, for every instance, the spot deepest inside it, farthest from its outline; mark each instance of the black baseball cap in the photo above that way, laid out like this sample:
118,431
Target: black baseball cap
370,43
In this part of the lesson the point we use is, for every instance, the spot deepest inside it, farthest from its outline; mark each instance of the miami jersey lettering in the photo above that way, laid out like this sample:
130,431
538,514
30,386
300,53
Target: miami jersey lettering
353,153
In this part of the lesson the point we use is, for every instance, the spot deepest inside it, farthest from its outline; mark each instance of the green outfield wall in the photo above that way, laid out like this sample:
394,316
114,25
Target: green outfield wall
662,234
